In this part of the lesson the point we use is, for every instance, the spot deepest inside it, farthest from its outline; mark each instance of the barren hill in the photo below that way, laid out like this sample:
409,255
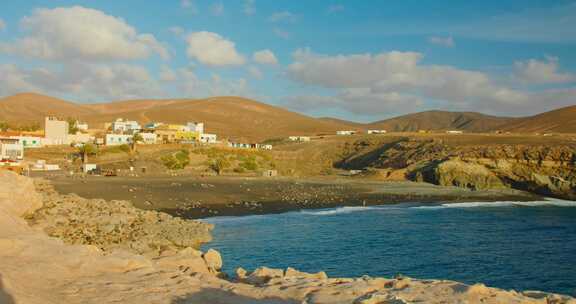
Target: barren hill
32,108
234,117
342,122
562,120
442,120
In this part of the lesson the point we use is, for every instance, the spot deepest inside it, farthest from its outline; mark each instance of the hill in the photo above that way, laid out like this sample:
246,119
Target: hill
29,108
442,120
562,120
233,117
342,122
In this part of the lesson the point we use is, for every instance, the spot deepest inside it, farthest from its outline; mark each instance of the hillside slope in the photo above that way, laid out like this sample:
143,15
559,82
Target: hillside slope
442,120
562,120
234,117
32,108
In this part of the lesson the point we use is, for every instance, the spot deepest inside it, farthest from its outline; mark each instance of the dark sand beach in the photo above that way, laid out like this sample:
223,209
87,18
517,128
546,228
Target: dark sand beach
199,197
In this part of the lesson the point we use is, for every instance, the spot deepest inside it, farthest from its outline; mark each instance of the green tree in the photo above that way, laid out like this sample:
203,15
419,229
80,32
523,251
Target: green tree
87,149
72,127
220,164
135,139
4,126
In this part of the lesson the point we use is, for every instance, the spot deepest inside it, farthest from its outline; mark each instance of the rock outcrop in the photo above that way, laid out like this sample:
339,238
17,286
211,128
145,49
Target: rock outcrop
36,268
113,225
541,169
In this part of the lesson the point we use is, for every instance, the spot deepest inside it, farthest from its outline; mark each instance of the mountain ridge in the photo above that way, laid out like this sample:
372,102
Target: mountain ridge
246,119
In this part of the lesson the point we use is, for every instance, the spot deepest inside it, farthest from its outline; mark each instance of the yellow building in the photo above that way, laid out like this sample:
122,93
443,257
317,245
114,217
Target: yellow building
177,127
187,136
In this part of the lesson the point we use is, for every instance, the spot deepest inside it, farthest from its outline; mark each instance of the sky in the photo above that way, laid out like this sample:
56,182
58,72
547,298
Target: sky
357,60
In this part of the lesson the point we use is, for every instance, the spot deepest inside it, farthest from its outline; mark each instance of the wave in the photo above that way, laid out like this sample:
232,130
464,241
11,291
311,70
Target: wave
548,202
340,210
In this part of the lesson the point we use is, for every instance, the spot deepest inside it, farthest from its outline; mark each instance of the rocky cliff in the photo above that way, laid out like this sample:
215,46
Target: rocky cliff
542,169
37,268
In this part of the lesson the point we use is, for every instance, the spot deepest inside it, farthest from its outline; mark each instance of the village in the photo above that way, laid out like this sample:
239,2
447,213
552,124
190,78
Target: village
121,132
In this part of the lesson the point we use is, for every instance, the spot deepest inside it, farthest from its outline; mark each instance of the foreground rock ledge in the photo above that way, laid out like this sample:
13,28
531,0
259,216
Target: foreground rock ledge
37,268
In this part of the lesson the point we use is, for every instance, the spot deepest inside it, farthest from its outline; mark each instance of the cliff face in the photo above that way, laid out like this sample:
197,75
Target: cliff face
36,268
541,169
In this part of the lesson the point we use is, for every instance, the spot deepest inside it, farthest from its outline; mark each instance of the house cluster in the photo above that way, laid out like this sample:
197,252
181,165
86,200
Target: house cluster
56,132
249,146
299,138
122,132
352,132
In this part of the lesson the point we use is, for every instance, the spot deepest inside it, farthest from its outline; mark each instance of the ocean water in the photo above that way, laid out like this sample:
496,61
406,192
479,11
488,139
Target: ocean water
510,245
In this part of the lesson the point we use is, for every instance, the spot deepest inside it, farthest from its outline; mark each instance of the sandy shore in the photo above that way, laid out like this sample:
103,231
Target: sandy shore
199,197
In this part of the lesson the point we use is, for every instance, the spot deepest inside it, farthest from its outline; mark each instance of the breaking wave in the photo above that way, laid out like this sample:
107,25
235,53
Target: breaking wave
549,202
340,210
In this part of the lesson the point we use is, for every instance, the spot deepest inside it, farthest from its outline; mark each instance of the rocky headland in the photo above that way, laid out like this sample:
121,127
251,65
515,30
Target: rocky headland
66,249
543,169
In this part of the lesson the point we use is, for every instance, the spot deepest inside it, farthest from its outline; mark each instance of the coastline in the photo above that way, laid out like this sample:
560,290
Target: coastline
81,272
194,197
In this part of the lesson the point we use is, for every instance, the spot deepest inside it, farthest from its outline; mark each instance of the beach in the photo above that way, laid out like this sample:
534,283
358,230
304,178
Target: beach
198,197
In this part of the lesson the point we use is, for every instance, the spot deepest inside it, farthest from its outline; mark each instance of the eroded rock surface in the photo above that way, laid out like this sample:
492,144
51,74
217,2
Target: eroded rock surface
36,268
112,225
541,169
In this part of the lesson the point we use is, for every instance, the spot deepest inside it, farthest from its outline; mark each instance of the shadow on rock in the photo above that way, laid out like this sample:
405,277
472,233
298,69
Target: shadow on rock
5,298
217,296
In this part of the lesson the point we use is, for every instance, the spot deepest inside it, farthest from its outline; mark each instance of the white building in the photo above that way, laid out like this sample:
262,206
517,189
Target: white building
11,149
81,125
454,132
125,126
196,127
80,138
376,131
56,131
118,139
149,138
299,138
30,141
345,132
208,138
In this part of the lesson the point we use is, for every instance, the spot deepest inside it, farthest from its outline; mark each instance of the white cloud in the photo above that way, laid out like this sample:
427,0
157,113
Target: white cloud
212,49
284,16
249,7
167,74
265,57
442,41
2,25
217,9
85,81
255,72
398,80
69,33
335,8
191,85
534,71
189,6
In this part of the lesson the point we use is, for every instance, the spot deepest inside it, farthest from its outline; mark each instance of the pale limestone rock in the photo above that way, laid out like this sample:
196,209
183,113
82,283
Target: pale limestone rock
241,273
213,260
291,272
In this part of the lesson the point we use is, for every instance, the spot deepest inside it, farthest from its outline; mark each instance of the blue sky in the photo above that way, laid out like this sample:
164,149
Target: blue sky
359,60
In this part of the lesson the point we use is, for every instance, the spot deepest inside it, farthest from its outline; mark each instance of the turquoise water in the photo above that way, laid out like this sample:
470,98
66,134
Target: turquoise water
507,245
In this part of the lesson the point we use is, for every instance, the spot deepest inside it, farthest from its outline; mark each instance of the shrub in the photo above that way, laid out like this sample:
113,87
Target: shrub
176,161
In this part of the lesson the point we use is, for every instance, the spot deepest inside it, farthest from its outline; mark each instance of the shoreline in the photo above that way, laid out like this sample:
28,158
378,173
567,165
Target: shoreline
193,197
81,271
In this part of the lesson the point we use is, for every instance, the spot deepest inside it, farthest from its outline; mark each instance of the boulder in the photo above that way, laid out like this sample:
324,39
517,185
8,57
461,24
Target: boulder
213,260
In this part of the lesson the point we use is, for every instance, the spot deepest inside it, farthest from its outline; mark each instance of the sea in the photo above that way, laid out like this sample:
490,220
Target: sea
509,245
